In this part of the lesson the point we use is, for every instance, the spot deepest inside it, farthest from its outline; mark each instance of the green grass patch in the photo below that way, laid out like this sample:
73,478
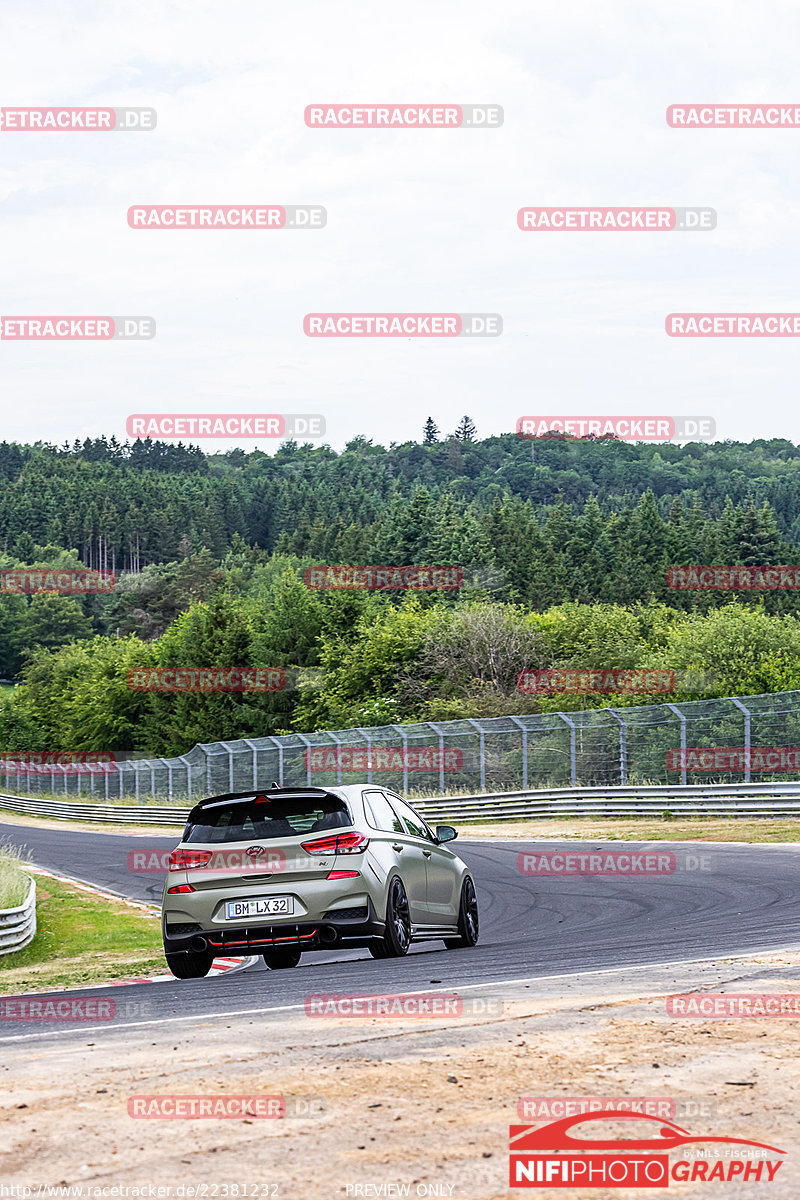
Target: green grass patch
14,883
82,939
642,829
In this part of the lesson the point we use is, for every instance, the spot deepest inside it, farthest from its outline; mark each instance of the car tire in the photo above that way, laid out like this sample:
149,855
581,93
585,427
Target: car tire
189,964
397,936
281,960
468,925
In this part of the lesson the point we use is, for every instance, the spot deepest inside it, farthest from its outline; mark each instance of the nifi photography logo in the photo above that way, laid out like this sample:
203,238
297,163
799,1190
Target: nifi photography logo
551,1156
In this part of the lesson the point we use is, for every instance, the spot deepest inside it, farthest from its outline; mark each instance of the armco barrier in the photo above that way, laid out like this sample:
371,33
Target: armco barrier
18,925
126,814
714,799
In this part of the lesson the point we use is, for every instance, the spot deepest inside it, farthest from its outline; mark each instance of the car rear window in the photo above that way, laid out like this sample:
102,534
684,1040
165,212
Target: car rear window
267,819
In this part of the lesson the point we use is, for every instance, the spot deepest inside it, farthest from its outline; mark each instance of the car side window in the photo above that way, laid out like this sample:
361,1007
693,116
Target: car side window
380,813
413,822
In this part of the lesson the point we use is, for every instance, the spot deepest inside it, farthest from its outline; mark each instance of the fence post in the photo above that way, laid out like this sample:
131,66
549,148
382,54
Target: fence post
746,712
230,764
307,745
182,758
279,742
573,765
168,763
338,742
524,729
682,718
366,736
404,736
436,729
482,752
254,748
623,747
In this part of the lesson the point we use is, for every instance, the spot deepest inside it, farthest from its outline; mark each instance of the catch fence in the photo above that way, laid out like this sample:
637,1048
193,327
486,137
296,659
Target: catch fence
637,745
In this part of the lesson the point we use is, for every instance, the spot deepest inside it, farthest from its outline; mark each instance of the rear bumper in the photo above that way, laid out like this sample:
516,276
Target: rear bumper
333,931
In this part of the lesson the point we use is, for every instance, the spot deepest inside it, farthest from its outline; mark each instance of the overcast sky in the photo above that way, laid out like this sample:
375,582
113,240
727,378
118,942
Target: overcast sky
418,221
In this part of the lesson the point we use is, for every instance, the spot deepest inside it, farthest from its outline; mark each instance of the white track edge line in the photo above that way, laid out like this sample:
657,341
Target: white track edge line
252,1012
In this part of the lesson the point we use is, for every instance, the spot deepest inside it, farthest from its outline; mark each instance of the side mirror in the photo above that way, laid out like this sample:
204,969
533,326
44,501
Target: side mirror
445,833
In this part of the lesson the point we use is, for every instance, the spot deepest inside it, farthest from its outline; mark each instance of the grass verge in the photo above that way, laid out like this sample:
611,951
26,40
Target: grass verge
82,939
641,829
14,883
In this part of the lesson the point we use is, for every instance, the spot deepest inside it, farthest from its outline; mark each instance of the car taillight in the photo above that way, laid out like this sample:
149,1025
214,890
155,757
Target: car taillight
180,889
340,843
185,860
343,875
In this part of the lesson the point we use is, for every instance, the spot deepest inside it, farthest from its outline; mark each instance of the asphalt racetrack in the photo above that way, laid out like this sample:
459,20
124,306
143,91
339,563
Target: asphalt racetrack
721,899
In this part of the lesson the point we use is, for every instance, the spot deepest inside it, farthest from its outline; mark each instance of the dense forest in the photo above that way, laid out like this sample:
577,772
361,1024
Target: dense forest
148,502
564,545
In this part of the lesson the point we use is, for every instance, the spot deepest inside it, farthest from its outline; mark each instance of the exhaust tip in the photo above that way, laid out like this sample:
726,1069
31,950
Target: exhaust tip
198,944
328,935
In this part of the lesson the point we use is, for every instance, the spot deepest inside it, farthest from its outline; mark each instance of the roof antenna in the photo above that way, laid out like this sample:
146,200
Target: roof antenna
275,786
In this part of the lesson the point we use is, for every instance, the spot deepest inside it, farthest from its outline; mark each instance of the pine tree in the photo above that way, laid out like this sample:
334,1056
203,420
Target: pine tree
466,430
430,432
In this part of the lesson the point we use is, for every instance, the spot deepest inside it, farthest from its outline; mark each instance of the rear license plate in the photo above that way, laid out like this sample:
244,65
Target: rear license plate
263,906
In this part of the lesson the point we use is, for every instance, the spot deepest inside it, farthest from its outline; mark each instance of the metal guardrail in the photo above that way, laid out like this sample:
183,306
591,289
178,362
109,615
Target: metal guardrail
723,799
715,799
18,925
126,814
